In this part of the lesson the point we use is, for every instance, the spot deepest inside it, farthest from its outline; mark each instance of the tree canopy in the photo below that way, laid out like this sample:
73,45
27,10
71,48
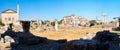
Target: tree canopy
1,24
93,22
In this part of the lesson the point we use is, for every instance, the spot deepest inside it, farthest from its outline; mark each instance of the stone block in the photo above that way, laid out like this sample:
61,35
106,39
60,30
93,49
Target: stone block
61,41
55,46
9,39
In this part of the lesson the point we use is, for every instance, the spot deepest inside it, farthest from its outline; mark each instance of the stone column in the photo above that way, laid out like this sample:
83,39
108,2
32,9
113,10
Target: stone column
119,22
56,25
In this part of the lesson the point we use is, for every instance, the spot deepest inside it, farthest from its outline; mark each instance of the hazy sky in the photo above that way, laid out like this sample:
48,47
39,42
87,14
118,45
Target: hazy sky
57,9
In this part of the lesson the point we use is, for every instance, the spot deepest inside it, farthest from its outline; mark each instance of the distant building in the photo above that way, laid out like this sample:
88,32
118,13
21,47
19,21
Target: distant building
9,16
74,20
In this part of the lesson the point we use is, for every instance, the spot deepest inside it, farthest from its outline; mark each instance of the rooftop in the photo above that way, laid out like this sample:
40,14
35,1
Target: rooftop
9,11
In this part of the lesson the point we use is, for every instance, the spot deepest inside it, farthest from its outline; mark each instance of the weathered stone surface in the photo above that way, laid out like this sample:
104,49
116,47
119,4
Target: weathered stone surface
61,41
2,40
80,45
55,46
32,41
67,46
9,39
104,36
88,44
88,36
7,45
102,46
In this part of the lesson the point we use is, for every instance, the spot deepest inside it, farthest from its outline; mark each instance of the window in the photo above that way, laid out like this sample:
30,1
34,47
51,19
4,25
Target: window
9,19
5,19
12,19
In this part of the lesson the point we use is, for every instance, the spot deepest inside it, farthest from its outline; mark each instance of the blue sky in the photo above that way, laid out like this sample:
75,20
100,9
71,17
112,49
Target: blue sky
57,9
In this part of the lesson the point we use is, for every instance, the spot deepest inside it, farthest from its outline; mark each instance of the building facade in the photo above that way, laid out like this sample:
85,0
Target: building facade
9,16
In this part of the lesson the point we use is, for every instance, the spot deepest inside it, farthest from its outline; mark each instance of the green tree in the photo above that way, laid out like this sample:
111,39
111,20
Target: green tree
47,22
92,22
80,24
1,24
53,23
59,22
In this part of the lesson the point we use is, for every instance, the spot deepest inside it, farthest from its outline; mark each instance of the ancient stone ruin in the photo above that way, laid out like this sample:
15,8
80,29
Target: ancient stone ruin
6,38
13,39
103,40
118,26
28,38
